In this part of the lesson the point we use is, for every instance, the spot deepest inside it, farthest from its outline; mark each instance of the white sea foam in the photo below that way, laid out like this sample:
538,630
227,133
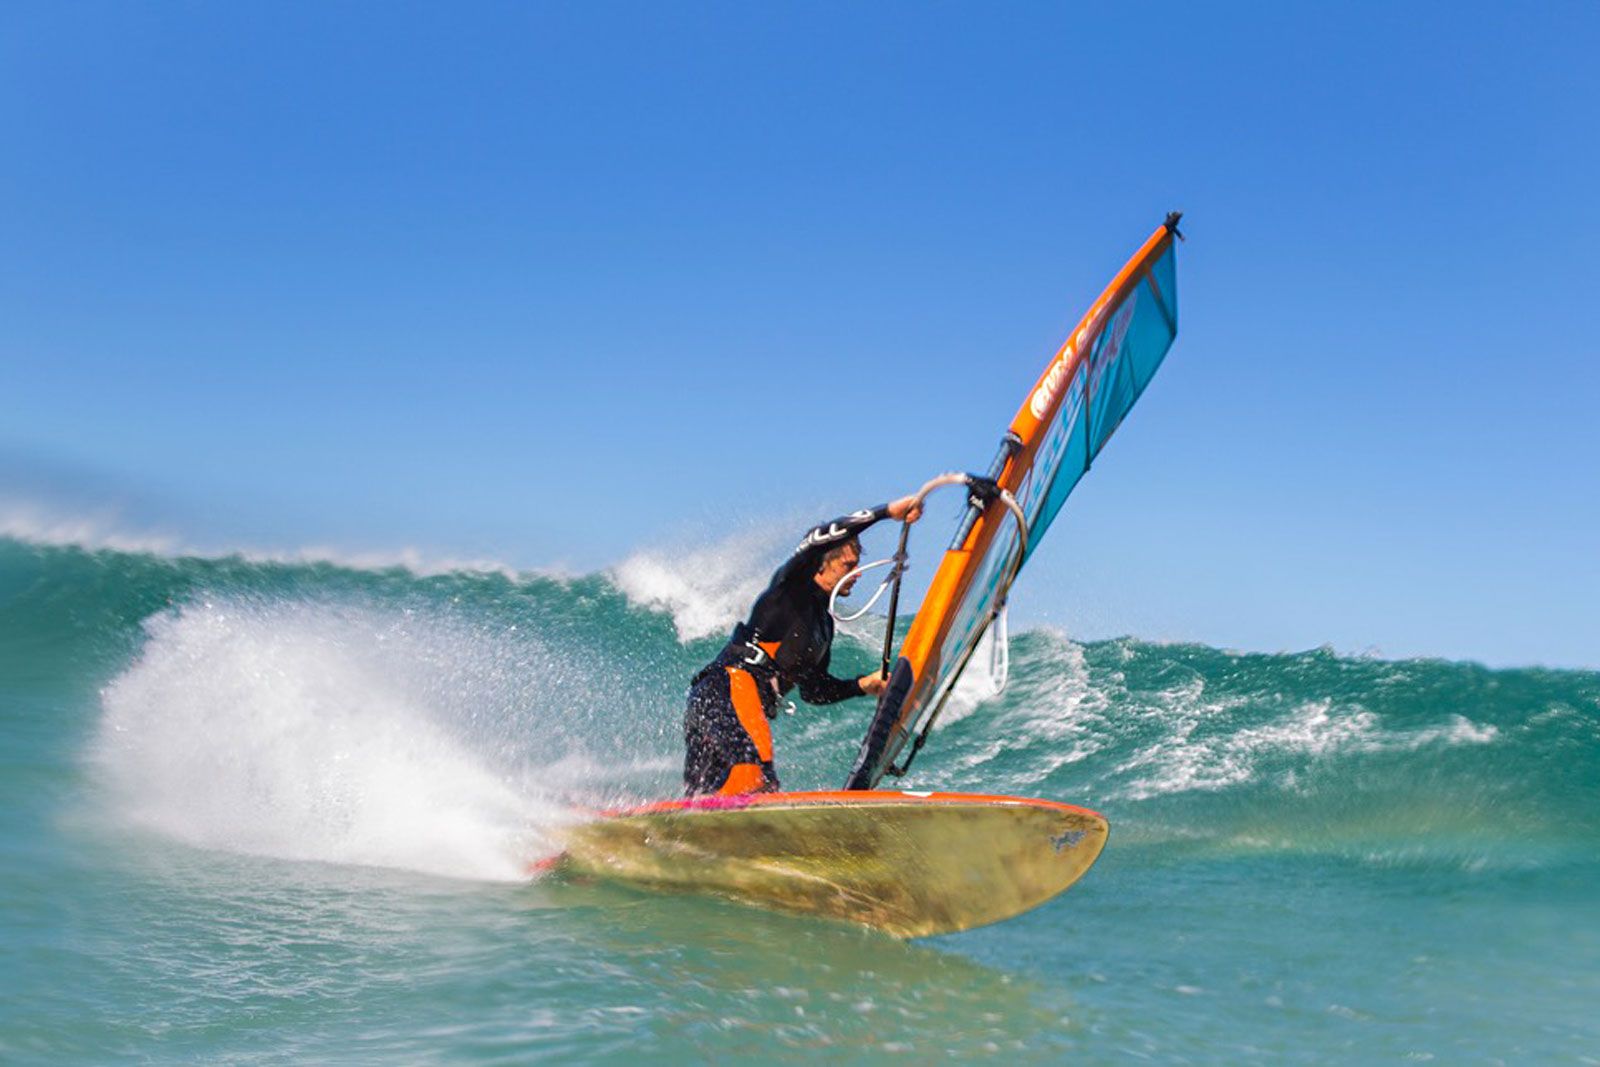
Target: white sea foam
1459,731
343,734
1049,705
705,589
104,530
1187,758
1059,701
34,524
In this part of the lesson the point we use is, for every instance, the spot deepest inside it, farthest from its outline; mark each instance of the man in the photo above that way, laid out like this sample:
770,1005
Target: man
785,643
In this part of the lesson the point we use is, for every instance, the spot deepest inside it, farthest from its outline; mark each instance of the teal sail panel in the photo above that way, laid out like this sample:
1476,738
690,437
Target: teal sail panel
1132,338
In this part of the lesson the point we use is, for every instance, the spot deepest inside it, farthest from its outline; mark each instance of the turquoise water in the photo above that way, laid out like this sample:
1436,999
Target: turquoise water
277,812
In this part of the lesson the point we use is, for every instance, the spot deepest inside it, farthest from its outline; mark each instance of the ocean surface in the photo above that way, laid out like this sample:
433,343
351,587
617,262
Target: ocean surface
278,810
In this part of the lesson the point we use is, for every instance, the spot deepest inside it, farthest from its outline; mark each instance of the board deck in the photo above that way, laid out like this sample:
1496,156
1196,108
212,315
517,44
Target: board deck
909,864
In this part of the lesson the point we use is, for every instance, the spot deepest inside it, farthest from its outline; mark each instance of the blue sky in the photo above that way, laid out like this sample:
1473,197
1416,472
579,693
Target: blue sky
555,283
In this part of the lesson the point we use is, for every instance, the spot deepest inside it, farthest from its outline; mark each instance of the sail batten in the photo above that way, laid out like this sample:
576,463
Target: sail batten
1077,403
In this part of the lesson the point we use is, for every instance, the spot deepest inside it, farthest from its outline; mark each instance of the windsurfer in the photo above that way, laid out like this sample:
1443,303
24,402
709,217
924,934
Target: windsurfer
785,643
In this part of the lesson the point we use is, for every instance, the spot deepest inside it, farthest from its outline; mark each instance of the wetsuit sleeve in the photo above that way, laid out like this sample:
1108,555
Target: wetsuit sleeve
808,555
817,686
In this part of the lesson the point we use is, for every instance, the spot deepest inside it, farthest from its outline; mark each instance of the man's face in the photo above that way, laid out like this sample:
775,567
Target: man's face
836,568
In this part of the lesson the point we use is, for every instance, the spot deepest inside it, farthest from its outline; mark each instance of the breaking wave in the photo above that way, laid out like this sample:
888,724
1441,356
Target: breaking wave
447,719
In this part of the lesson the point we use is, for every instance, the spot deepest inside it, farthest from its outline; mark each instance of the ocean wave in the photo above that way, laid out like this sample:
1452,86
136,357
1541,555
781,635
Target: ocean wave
226,690
1315,730
103,531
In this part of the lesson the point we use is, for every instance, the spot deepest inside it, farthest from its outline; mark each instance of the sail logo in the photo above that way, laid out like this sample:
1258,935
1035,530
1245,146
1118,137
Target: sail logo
1044,396
1039,405
1046,392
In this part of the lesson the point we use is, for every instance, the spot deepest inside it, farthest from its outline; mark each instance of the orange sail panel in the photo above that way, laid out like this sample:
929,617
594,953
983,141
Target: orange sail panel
1065,419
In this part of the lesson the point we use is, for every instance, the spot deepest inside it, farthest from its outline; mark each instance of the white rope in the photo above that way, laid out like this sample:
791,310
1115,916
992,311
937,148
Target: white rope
858,572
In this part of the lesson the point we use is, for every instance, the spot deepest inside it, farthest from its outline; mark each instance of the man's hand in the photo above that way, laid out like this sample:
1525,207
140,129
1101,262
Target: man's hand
906,509
871,684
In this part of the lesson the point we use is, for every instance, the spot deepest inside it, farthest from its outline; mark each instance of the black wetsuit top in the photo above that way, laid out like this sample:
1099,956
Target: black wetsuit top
787,641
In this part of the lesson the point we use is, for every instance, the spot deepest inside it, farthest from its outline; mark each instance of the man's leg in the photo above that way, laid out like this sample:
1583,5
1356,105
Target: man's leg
758,775
727,739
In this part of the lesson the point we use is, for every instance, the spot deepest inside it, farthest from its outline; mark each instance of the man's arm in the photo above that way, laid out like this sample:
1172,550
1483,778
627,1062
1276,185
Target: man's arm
808,554
817,686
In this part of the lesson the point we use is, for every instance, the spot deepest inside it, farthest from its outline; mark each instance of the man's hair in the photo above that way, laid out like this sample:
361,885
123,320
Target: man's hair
840,549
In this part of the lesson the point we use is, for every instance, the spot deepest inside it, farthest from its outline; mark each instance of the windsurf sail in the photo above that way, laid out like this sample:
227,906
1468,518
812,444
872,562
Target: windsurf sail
1065,420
